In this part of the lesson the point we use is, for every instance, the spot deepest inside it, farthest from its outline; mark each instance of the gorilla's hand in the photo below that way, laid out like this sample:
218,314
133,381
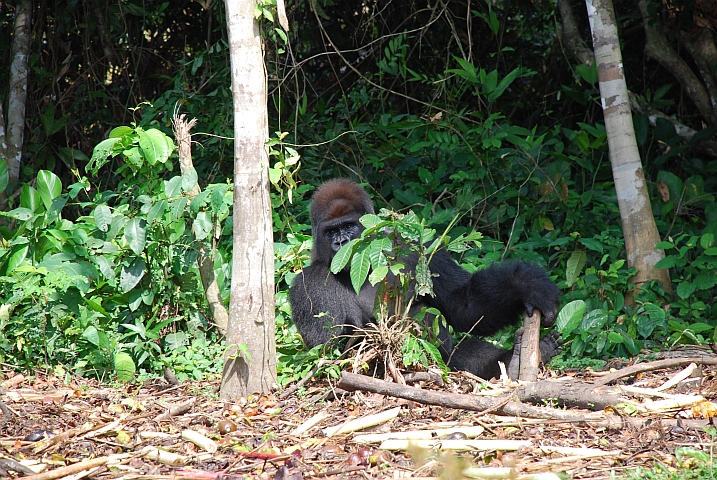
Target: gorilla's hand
549,309
545,297
550,346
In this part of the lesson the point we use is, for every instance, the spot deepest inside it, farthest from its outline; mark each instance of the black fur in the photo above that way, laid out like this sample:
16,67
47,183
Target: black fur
481,303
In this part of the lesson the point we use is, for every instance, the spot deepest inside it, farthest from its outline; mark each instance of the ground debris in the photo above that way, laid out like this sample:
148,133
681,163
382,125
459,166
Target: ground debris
157,431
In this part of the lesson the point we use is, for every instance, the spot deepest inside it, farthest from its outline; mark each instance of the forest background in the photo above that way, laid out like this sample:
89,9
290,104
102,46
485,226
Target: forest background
488,112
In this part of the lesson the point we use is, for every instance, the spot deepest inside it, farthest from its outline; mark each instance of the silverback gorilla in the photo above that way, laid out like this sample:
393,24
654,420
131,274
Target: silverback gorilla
481,303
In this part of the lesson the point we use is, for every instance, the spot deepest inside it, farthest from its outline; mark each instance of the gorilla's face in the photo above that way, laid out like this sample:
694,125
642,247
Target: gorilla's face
335,211
340,234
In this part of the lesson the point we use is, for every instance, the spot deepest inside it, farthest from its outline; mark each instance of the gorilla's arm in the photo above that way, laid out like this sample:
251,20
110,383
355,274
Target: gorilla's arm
491,298
481,358
316,290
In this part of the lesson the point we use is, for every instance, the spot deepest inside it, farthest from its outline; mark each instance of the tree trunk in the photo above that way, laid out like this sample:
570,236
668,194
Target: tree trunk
638,224
11,141
250,359
205,259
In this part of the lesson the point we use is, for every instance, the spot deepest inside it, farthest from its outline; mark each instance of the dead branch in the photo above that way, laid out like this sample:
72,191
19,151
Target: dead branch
205,259
656,365
530,348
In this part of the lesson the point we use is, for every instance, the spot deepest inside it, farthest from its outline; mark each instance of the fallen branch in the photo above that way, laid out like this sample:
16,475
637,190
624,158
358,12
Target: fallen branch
68,470
656,365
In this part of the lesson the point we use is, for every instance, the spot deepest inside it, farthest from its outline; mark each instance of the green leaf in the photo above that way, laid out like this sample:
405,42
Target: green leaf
685,289
342,257
103,217
18,256
155,145
29,198
106,268
101,154
121,131
189,179
4,175
92,335
135,231
132,274
668,262
615,337
706,240
692,452
124,367
202,226
360,264
173,187
570,317
575,265
378,274
157,210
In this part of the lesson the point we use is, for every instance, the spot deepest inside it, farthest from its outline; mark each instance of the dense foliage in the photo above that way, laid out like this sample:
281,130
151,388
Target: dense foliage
483,126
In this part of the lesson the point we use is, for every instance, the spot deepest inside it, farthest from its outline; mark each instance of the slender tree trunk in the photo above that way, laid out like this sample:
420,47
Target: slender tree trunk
205,260
638,224
250,360
11,141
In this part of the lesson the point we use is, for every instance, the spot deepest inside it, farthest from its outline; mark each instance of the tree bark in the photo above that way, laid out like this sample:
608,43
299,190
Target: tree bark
658,48
13,138
250,359
638,224
530,348
205,260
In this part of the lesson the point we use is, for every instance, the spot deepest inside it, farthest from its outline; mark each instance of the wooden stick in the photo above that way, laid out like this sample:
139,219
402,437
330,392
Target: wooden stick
530,348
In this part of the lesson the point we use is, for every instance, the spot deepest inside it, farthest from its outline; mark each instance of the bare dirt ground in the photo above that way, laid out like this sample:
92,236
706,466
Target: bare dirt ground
156,431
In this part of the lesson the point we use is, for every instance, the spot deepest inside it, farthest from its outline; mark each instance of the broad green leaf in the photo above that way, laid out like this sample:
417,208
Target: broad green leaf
103,217
49,187
132,274
706,240
570,317
173,187
106,268
18,256
92,335
134,158
575,265
378,274
202,226
124,367
360,265
157,210
685,289
155,146
121,131
594,320
79,275
101,154
189,179
29,198
369,220
4,175
342,257
668,262
175,340
615,337
135,231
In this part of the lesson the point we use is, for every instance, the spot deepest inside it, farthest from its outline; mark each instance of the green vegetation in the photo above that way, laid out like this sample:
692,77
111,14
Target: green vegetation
99,240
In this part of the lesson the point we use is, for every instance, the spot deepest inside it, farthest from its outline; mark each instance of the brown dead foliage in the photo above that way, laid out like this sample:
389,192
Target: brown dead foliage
158,431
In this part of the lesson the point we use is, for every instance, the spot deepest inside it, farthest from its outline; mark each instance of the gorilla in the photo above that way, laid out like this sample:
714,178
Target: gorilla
481,303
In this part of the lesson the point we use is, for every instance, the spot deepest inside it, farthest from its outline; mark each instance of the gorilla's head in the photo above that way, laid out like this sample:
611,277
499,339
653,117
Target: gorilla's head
335,211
